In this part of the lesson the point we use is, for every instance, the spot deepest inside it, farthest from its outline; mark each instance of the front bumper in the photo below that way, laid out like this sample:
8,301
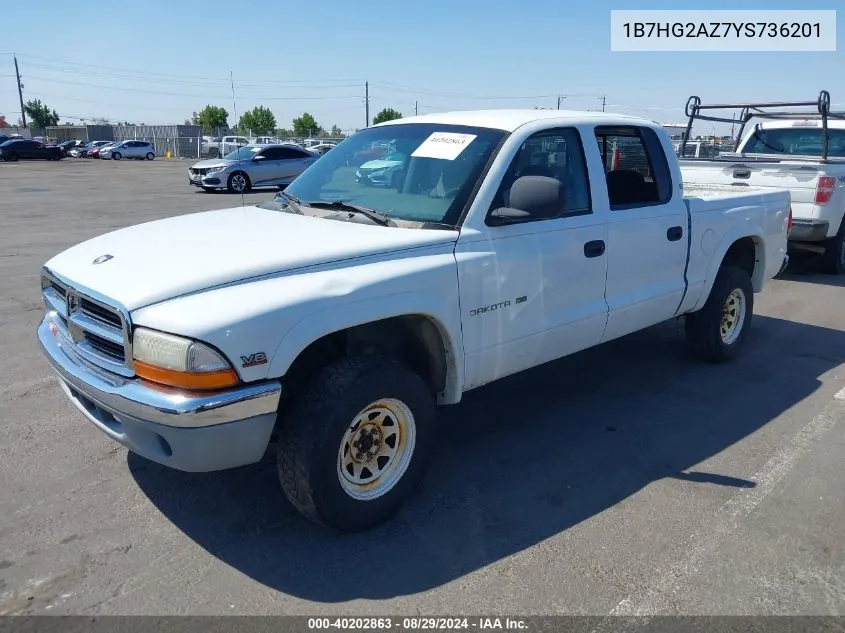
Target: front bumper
194,432
208,180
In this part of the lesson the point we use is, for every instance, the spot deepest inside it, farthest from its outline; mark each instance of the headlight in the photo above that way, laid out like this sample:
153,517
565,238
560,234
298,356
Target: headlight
179,362
215,170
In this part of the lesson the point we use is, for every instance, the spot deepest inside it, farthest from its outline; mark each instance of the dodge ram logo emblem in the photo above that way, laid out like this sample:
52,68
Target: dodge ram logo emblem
102,258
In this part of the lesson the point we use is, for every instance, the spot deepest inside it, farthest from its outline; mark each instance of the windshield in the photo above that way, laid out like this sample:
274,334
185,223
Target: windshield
242,153
795,141
427,174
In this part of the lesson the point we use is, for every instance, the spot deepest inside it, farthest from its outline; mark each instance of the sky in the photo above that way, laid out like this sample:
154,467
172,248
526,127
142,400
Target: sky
162,61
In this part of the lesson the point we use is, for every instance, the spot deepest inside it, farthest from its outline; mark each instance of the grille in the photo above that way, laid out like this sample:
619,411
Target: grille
199,172
98,331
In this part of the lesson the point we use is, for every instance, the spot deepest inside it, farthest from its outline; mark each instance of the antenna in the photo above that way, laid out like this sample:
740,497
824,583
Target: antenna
235,111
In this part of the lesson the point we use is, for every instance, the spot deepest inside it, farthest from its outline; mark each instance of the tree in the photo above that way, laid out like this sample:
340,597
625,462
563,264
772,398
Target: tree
388,114
336,132
259,120
283,132
305,125
210,117
40,114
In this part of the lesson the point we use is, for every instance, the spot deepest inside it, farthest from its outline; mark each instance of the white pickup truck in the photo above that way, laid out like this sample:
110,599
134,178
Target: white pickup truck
337,316
798,151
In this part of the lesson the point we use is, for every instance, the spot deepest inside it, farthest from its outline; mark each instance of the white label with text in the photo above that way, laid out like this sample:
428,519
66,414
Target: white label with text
443,145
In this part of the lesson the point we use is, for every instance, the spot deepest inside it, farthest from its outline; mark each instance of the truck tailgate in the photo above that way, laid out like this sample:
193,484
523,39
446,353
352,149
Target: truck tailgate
799,177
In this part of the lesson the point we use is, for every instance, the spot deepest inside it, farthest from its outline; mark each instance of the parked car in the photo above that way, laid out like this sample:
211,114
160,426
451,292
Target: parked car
383,171
8,137
67,146
140,150
210,146
794,152
338,316
225,146
95,151
82,152
251,166
26,148
321,148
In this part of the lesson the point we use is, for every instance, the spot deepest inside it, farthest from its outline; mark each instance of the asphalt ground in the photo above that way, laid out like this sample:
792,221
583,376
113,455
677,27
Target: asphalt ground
627,479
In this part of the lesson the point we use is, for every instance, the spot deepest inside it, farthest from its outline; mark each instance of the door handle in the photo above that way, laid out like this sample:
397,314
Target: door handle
594,248
674,233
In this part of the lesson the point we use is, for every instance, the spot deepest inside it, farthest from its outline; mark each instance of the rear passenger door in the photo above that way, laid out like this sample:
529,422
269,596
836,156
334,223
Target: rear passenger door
294,162
647,226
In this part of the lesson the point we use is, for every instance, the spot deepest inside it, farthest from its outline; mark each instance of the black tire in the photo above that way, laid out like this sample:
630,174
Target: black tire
833,259
232,183
10,158
704,328
208,189
116,155
150,156
312,434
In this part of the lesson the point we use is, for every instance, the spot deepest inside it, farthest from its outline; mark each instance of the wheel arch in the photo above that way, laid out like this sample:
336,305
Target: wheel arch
416,337
746,251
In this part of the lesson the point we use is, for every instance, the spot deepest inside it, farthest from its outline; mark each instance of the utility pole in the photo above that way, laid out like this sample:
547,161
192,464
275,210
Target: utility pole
603,102
20,92
367,101
416,110
559,99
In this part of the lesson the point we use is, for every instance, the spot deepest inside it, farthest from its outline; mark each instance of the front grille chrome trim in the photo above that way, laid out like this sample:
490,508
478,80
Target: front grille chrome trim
83,311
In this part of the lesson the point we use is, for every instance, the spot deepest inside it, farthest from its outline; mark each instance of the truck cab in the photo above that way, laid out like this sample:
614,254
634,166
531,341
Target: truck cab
507,239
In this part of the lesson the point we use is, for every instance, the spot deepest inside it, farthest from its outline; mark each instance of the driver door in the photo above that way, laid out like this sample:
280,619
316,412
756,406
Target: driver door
533,290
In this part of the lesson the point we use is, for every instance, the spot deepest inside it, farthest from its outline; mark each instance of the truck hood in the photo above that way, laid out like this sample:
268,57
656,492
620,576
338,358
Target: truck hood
168,258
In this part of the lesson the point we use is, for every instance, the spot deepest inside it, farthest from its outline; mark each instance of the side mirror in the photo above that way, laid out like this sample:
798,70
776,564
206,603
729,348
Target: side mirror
531,198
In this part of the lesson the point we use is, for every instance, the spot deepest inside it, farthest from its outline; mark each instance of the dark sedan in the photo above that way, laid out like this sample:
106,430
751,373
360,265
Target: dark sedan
26,148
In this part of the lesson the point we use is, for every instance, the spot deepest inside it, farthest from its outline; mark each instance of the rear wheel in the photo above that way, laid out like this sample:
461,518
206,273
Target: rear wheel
354,445
834,254
717,331
238,182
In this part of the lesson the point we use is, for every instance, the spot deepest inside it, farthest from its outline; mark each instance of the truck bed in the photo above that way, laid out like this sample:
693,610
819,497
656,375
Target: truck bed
711,191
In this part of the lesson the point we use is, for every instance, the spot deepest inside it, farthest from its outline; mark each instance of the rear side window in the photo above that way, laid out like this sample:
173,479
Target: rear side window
289,152
797,141
635,166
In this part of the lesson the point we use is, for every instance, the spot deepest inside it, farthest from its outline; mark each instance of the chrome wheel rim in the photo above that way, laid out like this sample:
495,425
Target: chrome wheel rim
733,316
376,449
238,183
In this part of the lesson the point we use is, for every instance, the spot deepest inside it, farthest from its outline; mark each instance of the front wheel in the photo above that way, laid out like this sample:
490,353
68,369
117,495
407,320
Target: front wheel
834,254
354,445
238,182
116,155
150,156
716,332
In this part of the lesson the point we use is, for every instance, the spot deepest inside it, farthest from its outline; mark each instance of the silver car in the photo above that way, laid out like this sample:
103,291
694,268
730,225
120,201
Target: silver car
252,166
142,150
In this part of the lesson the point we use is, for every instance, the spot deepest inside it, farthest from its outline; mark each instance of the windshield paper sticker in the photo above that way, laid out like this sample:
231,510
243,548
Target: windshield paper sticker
443,145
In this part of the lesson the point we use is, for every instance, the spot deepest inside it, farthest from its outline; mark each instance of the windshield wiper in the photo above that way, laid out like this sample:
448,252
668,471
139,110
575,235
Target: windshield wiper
290,200
375,216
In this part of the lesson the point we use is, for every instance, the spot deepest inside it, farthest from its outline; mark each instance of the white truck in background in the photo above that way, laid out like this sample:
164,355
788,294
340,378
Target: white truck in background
803,152
338,315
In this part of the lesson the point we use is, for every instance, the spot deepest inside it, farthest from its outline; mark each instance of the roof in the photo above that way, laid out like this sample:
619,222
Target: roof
509,120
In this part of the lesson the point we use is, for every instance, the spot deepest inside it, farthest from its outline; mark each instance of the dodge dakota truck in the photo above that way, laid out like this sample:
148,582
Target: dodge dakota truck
336,317
797,150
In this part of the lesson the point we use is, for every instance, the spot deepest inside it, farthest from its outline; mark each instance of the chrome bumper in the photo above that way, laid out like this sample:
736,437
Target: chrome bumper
143,401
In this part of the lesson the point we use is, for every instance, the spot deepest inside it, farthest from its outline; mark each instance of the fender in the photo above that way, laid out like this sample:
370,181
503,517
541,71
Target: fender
734,234
319,324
